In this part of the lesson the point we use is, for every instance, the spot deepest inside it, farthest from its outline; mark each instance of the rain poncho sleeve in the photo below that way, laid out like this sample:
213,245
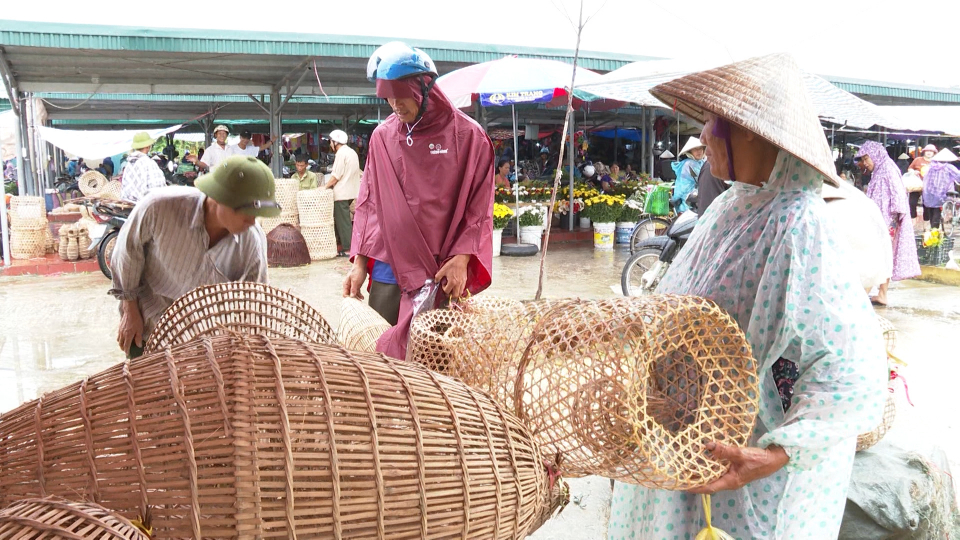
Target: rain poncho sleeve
940,178
767,256
687,172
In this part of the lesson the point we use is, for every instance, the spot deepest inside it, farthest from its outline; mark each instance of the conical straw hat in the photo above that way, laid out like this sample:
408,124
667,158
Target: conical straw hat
692,142
945,155
764,95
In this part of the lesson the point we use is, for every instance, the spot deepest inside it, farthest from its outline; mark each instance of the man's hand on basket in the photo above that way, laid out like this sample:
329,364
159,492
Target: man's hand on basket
746,465
455,272
353,283
131,326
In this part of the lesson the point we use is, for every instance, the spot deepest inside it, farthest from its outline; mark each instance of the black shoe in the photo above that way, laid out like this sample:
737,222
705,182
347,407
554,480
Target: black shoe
342,254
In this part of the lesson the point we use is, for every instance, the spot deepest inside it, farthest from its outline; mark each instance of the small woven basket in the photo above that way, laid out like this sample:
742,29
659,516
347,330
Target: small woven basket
62,249
321,241
286,247
84,245
92,183
360,326
112,191
866,440
247,436
239,306
28,212
28,242
315,207
57,518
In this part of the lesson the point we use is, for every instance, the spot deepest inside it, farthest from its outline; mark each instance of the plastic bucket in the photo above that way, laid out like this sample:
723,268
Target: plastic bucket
531,235
497,241
603,236
624,231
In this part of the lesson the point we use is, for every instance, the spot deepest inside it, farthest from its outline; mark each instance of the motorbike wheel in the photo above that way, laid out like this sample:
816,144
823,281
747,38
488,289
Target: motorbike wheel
637,265
105,251
647,227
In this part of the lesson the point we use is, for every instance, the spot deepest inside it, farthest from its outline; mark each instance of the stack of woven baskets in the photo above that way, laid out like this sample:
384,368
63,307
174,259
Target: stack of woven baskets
316,222
75,242
95,184
29,234
286,196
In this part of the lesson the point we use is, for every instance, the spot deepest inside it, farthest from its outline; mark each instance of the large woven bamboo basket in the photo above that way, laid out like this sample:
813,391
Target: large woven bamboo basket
28,242
360,326
321,241
286,196
286,247
55,518
315,207
92,183
866,440
631,389
28,212
239,306
247,436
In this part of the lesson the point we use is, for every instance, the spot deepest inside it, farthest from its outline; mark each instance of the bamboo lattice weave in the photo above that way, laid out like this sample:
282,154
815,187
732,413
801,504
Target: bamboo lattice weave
35,519
240,436
240,306
360,326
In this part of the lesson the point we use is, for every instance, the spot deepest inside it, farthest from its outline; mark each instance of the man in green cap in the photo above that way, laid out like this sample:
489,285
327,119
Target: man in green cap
180,238
141,173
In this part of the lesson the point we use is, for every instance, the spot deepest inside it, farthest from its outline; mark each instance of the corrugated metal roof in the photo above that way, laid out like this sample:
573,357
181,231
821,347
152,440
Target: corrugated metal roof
5,104
897,91
120,38
207,98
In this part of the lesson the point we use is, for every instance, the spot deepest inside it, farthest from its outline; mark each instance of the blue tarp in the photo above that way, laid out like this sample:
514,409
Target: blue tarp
624,134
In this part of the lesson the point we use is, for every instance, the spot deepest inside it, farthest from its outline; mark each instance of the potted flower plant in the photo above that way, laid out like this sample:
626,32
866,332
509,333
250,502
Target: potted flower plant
629,215
531,224
603,211
501,218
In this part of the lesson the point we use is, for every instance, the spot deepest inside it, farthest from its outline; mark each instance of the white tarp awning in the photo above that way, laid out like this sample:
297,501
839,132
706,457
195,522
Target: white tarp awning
96,144
945,118
632,83
8,141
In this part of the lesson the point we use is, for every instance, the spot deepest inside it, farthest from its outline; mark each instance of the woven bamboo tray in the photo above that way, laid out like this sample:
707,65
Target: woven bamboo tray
630,389
321,241
360,326
54,518
286,195
286,247
315,207
239,306
246,436
92,183
866,440
28,243
28,212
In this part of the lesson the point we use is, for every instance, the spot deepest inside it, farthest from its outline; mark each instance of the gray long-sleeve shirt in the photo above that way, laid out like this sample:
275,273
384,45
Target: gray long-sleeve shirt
163,253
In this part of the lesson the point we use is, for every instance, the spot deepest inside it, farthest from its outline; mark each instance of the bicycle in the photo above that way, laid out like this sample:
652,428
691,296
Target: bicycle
950,214
656,218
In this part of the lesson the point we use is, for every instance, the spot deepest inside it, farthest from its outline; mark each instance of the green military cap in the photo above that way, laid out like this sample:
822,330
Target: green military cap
243,183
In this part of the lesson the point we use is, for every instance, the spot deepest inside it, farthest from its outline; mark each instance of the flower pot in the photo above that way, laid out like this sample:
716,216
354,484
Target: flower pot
497,241
565,220
624,231
603,236
531,235
584,223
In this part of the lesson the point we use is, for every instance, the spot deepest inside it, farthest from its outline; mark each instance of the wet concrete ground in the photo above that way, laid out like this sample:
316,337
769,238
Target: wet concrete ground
57,330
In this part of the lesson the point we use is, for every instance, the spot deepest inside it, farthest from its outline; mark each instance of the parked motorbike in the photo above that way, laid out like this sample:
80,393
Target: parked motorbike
654,255
110,217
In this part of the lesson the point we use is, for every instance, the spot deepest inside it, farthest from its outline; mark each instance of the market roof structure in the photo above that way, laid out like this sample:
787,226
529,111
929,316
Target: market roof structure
887,93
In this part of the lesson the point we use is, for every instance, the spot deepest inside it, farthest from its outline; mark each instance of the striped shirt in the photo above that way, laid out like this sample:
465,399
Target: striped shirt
140,176
162,253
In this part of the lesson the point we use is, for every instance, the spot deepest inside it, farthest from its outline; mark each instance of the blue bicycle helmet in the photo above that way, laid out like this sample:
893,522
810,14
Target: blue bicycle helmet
397,60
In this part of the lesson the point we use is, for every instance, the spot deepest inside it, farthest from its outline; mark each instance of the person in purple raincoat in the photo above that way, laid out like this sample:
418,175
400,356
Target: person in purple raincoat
887,191
941,177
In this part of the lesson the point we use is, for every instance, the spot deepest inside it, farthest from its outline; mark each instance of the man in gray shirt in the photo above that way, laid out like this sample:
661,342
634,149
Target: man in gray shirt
180,238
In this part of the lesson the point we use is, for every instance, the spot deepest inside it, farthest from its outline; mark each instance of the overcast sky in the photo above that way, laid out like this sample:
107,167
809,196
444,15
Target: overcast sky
868,39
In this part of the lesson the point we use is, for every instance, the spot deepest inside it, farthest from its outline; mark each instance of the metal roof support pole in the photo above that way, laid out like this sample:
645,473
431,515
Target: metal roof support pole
276,157
573,129
23,165
259,103
319,138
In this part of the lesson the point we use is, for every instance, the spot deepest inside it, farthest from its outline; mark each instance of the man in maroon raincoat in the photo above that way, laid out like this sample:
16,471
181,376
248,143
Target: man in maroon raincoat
425,204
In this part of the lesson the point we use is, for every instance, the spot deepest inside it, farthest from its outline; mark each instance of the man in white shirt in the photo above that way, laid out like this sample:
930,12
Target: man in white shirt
246,147
345,183
141,173
216,152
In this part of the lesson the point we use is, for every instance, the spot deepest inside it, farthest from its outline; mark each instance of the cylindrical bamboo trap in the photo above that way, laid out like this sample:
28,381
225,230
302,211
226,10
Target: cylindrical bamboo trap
315,207
321,241
54,518
286,197
28,212
239,306
630,389
889,333
435,336
360,326
286,247
247,436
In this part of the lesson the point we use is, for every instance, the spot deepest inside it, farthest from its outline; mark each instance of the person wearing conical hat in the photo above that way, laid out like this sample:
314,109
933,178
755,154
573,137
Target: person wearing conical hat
887,191
687,171
766,252
141,174
941,177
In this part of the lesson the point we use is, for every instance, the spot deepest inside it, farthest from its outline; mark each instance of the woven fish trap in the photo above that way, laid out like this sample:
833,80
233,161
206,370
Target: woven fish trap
866,440
112,190
56,518
321,241
269,224
92,183
247,436
484,304
28,212
435,336
286,247
28,242
239,306
360,326
889,333
315,207
286,195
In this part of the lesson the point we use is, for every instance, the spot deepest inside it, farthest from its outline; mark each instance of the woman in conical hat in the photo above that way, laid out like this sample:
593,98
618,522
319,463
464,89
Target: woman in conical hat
687,171
766,252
